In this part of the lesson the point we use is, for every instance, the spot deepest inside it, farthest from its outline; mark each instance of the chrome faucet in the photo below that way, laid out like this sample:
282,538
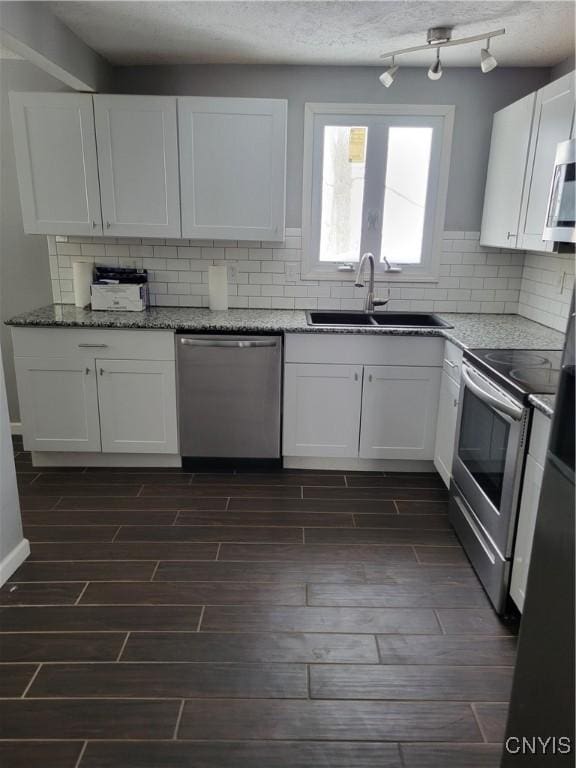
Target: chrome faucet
369,302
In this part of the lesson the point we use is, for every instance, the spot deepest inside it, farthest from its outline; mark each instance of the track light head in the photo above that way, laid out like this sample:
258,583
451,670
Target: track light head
387,77
487,61
435,72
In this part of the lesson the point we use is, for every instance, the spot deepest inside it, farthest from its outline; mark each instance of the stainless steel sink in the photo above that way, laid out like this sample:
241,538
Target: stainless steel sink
339,319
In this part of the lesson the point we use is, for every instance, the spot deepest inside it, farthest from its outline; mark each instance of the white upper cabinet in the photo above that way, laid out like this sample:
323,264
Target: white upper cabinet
553,117
138,164
506,169
232,168
522,151
55,150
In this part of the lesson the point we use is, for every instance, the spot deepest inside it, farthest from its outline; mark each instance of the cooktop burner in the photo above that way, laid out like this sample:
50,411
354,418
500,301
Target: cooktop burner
521,371
517,357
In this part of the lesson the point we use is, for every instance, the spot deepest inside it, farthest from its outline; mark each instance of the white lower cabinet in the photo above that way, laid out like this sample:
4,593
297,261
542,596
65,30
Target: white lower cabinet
87,392
360,398
137,406
321,409
58,403
399,408
446,427
531,487
533,476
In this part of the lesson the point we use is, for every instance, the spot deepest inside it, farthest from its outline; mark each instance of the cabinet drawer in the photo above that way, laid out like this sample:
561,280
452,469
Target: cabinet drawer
452,363
104,344
359,349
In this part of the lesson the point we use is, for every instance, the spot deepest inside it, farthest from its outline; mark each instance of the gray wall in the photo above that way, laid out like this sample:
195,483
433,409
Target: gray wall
24,267
563,68
33,31
475,95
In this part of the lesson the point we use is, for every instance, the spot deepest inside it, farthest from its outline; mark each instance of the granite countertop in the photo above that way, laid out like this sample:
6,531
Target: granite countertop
468,331
544,403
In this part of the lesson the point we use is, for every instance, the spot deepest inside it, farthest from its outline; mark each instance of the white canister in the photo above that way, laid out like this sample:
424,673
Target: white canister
218,287
82,274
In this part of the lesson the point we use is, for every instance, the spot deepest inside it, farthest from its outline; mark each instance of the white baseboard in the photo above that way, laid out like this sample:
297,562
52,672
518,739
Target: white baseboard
80,459
13,560
358,465
16,427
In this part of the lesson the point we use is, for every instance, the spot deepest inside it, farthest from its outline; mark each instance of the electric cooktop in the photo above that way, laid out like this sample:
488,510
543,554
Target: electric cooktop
522,372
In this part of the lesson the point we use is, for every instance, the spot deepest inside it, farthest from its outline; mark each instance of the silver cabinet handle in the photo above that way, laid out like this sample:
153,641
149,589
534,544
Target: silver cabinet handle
87,371
451,364
93,225
102,371
370,377
93,346
510,234
228,343
107,225
355,377
504,406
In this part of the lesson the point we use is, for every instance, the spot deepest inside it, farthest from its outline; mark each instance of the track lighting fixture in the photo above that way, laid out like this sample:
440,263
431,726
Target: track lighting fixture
487,61
435,71
441,37
387,77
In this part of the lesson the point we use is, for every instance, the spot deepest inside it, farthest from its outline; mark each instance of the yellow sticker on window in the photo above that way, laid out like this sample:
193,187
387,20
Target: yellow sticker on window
357,145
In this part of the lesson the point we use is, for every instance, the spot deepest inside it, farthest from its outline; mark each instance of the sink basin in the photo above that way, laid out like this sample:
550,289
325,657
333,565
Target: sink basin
382,319
339,318
409,319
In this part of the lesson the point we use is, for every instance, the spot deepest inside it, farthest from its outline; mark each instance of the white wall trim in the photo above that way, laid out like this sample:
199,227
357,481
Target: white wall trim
14,560
16,427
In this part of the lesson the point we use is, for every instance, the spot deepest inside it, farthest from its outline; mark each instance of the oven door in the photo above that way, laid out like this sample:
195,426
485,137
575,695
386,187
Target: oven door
489,455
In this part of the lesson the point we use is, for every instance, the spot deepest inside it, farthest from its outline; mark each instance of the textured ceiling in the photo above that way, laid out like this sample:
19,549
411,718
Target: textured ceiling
313,32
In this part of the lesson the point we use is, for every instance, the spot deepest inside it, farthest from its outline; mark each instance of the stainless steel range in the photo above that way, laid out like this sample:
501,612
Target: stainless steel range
494,419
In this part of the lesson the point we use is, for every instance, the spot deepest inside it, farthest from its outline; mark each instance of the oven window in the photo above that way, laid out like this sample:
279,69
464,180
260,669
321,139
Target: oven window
482,445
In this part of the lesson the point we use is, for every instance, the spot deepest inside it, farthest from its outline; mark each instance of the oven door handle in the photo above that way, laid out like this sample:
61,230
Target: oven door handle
505,406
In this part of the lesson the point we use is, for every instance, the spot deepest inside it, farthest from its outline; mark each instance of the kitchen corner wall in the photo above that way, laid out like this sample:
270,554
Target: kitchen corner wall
265,275
546,288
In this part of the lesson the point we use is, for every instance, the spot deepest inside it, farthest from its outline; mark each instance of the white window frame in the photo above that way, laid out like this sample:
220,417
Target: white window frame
316,116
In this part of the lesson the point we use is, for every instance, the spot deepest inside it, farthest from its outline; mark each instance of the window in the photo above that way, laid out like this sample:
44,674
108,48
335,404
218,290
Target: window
375,180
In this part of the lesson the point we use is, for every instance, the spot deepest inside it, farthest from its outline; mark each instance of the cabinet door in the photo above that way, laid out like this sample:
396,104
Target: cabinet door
506,170
553,116
446,427
137,401
399,407
138,163
232,167
533,476
58,403
55,150
321,409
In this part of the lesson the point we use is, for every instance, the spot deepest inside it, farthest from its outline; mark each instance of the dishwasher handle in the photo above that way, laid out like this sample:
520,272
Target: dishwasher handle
229,343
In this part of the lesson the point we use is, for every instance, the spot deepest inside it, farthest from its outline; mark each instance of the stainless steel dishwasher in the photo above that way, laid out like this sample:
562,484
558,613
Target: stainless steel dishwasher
229,396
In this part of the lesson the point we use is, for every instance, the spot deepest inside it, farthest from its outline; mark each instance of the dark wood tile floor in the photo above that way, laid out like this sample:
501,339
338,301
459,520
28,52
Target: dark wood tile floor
244,620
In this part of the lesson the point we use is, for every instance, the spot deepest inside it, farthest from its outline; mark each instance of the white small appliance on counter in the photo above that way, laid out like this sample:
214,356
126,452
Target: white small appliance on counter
119,288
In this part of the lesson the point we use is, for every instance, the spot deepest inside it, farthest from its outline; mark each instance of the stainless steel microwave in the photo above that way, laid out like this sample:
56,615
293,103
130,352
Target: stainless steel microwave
560,225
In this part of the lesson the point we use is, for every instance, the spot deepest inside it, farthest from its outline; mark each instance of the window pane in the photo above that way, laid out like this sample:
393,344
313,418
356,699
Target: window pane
343,168
407,169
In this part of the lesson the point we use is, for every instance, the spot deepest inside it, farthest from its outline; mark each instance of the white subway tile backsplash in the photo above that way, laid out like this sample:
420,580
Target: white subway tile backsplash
267,274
